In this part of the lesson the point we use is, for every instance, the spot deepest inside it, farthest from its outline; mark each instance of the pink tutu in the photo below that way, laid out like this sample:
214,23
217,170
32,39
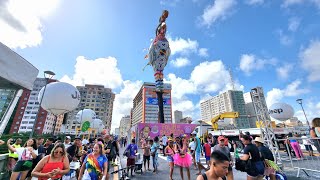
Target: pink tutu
185,161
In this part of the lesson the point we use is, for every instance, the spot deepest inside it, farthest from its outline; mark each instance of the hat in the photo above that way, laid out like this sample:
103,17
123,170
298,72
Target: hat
77,137
194,132
259,139
220,138
68,137
170,139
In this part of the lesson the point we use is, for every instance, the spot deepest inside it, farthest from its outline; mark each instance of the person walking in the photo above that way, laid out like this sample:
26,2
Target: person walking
164,144
169,151
146,155
266,155
25,156
219,164
307,144
133,149
154,153
207,151
221,147
252,152
182,158
197,152
95,165
192,147
52,166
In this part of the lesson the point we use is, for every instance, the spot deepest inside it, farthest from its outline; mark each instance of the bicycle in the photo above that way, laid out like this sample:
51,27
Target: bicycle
123,172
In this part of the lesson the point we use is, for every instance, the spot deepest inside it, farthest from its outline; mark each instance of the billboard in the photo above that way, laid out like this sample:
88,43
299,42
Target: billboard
154,101
158,129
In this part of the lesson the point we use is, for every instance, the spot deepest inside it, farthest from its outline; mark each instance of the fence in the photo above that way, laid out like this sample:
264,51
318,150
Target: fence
296,155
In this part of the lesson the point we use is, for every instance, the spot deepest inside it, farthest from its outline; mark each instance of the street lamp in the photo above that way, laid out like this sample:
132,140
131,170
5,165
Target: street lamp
50,75
299,101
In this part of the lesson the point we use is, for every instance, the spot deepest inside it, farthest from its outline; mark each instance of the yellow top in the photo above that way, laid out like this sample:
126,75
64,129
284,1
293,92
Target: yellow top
14,154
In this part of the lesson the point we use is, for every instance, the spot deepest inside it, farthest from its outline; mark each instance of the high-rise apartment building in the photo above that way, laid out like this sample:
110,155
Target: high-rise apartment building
124,126
94,97
145,105
6,96
229,101
177,116
27,111
252,116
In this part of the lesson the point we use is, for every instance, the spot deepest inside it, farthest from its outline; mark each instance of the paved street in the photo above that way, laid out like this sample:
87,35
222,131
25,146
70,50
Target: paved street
164,171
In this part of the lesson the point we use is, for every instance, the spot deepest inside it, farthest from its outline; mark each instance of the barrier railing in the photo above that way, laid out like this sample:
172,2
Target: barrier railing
296,155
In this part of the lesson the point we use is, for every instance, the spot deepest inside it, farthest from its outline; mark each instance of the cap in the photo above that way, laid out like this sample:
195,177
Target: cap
194,132
68,137
77,137
220,138
259,139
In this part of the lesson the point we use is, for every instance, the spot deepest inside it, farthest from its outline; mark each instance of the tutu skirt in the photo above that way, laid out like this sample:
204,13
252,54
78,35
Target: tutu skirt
185,161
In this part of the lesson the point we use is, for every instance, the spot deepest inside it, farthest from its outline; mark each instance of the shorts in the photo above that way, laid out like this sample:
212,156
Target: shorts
207,158
131,162
170,159
308,147
146,158
197,156
19,167
259,169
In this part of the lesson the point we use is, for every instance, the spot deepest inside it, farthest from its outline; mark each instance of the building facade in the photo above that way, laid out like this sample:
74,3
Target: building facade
177,116
94,97
229,101
28,108
6,96
124,126
145,105
252,116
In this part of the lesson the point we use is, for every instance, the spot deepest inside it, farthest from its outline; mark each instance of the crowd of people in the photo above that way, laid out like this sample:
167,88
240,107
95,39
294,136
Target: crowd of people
52,159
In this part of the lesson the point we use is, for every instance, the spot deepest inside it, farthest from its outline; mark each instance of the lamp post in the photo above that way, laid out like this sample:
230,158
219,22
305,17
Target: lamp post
299,101
50,74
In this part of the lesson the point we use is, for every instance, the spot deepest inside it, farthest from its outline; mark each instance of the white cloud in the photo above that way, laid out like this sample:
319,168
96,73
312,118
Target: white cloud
180,86
284,38
288,3
219,10
102,71
254,2
294,24
250,62
20,21
284,71
312,110
310,60
183,46
180,62
291,90
203,52
124,101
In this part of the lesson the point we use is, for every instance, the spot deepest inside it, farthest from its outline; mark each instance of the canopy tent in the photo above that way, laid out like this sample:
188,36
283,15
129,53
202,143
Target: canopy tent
15,71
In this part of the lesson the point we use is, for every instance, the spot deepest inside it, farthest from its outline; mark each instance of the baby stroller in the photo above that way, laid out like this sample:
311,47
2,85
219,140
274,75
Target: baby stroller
138,163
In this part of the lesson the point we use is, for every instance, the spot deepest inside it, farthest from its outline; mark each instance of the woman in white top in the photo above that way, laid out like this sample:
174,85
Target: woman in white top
25,156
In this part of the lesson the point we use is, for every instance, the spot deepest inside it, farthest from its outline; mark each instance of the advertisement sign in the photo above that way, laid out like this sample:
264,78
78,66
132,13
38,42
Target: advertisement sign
154,101
158,129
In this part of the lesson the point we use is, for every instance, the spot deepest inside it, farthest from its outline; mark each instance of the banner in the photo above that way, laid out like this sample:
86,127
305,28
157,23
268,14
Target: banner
158,129
154,101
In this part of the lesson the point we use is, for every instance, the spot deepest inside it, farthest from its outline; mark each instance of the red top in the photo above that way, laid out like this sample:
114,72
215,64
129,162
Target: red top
49,166
207,149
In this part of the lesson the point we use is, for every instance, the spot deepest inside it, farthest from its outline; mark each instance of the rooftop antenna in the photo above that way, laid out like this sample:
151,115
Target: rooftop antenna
231,79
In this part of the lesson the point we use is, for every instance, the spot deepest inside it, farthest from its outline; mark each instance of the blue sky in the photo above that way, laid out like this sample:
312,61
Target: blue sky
273,44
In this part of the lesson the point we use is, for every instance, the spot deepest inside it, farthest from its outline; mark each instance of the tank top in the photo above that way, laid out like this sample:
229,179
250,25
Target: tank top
49,166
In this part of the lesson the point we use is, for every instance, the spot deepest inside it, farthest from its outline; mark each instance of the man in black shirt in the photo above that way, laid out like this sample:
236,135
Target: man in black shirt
48,146
74,150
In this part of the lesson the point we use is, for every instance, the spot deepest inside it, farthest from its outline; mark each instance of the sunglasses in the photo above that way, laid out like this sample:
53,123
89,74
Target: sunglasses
56,152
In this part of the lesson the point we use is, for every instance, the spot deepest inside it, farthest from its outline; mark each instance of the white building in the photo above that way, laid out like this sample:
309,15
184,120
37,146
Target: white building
124,126
228,101
177,116
250,109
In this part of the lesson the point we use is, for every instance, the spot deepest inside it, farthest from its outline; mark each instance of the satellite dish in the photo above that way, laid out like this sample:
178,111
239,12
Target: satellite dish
85,115
59,98
281,111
